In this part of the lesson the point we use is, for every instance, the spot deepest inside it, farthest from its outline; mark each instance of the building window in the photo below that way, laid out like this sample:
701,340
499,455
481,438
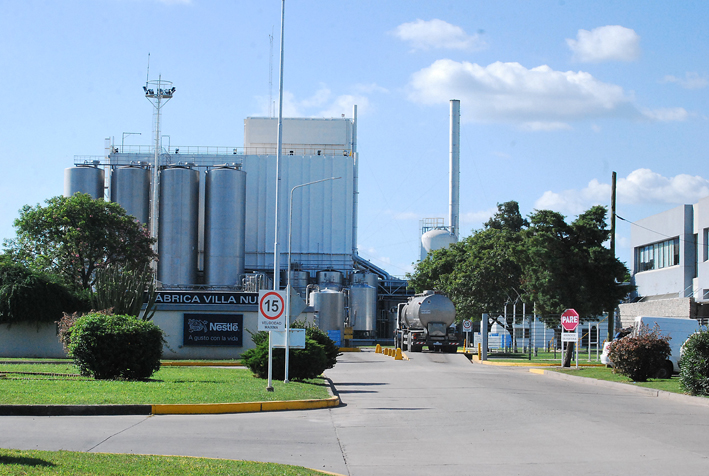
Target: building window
657,255
705,245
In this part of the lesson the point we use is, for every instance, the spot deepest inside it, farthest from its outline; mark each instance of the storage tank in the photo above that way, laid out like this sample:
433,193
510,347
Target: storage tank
130,188
363,302
85,179
428,307
178,223
330,280
224,224
436,240
299,282
329,306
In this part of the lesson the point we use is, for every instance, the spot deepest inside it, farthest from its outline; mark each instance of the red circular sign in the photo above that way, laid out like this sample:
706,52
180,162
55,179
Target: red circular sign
272,305
570,320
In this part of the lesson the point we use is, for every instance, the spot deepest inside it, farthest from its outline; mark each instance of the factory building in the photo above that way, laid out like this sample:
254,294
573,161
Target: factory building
670,264
216,220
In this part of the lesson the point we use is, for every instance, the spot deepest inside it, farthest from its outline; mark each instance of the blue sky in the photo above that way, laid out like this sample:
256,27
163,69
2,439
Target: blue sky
555,95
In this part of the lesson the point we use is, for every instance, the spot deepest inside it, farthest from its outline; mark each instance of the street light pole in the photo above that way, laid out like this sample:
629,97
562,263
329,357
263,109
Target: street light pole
290,234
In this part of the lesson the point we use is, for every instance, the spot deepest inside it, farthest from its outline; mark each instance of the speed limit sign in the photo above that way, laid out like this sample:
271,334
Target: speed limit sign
271,310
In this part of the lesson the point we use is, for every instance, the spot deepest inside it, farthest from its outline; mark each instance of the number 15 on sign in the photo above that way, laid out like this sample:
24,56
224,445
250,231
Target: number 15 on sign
271,307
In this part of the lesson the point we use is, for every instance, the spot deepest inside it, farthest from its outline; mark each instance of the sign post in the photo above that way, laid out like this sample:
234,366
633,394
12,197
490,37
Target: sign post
467,328
271,317
570,322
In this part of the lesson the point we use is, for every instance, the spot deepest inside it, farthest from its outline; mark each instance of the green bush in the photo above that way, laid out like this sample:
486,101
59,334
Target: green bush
29,296
694,364
329,346
640,357
116,346
304,363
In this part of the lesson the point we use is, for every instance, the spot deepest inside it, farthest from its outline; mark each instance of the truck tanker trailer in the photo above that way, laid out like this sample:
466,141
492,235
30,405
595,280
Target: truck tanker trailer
425,321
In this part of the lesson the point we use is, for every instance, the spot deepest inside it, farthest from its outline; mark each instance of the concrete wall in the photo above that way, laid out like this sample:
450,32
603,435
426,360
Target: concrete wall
679,307
29,340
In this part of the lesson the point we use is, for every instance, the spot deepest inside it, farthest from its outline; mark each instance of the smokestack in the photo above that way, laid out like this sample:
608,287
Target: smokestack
454,167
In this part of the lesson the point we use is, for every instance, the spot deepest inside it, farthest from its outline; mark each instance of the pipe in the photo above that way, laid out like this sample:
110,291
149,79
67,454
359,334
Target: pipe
454,166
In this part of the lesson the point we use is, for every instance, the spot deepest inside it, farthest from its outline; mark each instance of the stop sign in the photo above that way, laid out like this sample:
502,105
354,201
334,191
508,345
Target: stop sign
570,320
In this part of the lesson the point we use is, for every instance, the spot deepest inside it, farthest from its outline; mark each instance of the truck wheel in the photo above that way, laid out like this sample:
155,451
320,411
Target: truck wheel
665,371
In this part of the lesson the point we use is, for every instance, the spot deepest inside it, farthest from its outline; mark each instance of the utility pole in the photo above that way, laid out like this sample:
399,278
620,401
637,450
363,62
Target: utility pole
611,312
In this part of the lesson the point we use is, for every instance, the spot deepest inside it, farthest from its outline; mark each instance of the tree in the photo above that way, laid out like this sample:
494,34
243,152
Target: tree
479,273
567,266
28,296
73,237
544,261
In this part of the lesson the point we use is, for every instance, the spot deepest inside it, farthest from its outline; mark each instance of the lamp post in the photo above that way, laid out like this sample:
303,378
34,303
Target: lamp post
123,137
290,234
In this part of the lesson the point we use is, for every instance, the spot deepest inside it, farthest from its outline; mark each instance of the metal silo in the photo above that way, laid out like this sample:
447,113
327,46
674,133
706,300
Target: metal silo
299,282
329,307
329,280
363,302
130,188
178,226
85,179
224,221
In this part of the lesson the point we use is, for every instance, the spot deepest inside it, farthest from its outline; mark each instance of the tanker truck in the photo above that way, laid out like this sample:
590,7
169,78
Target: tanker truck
425,321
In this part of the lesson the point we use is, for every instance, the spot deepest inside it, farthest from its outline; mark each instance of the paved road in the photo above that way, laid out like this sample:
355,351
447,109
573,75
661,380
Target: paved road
435,414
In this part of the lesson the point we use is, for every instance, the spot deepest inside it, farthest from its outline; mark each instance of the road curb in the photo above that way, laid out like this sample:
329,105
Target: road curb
173,408
650,392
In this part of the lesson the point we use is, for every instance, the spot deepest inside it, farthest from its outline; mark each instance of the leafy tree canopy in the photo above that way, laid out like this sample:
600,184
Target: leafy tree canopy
73,237
543,261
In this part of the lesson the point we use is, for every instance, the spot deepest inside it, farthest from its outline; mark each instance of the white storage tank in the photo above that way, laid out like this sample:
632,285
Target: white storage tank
436,240
85,179
329,307
299,282
178,226
130,188
363,302
224,225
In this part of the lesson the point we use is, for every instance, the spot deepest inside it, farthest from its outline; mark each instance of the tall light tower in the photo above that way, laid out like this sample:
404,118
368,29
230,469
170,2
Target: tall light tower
158,93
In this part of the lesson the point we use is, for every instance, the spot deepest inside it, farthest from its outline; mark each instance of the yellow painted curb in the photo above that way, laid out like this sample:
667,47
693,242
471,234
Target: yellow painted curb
350,349
537,371
247,407
202,364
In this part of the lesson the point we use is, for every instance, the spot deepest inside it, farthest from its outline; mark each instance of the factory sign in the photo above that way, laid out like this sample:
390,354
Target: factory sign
205,297
213,329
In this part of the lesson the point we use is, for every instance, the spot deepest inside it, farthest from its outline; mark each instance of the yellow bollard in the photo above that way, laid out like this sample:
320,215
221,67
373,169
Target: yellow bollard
378,350
398,355
388,353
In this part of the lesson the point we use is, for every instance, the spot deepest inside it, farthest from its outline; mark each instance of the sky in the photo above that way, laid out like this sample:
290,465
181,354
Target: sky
555,96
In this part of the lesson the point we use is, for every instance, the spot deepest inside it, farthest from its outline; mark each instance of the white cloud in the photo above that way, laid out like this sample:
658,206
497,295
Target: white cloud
668,114
509,92
690,81
343,105
605,43
370,88
480,216
545,126
437,34
321,104
641,186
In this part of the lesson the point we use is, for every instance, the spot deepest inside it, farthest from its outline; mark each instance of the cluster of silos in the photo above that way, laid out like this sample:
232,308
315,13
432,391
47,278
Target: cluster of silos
178,216
334,303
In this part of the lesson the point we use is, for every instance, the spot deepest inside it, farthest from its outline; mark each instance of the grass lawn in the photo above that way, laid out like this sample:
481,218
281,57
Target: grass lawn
603,373
542,357
168,385
40,463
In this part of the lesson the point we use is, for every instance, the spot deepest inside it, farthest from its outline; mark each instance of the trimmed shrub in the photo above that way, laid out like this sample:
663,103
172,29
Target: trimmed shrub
329,346
640,357
694,364
116,346
304,363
